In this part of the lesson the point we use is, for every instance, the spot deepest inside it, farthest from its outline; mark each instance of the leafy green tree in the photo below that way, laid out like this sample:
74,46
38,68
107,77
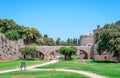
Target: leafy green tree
58,41
30,35
28,52
78,42
108,39
45,36
63,43
40,41
48,41
68,52
12,35
75,41
6,24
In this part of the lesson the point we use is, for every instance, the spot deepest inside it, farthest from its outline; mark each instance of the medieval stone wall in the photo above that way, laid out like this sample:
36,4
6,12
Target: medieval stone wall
9,48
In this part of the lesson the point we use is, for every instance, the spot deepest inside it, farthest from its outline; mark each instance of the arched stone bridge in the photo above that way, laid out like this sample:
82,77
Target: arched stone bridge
49,52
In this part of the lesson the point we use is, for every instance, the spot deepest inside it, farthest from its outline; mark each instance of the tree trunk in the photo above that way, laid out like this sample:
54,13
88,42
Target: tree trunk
67,57
24,56
118,58
70,58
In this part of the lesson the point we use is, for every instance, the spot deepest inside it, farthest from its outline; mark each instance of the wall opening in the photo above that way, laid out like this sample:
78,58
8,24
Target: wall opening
83,54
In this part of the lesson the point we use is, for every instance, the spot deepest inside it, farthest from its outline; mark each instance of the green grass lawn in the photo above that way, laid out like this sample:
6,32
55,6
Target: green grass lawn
107,69
16,63
41,74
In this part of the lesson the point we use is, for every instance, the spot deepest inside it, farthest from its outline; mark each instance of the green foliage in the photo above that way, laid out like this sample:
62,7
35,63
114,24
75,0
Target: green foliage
63,43
68,52
28,51
47,41
40,41
14,31
30,35
12,35
108,39
58,41
33,44
6,25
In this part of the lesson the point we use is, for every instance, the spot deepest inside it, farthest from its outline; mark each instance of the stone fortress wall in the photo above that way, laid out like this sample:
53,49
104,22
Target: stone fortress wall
9,49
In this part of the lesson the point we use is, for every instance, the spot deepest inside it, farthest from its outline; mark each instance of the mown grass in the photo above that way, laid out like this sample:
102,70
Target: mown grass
16,63
108,69
41,74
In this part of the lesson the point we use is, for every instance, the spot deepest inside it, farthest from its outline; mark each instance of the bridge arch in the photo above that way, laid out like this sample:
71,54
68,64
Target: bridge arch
49,52
83,54
40,55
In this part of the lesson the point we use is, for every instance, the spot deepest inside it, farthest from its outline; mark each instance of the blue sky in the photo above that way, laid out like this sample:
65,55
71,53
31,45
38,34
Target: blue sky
61,18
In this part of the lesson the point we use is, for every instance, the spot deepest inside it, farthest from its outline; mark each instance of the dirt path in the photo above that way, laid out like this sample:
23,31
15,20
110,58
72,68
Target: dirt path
33,68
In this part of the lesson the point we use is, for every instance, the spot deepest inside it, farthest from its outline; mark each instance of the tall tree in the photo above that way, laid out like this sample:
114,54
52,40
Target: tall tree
30,35
63,43
40,41
108,39
78,42
6,24
58,41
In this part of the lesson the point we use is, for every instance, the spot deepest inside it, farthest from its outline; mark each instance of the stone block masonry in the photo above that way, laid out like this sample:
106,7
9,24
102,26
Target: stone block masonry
9,48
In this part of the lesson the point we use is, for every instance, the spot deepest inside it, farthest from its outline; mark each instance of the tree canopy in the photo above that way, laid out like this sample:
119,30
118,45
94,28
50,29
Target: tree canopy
28,51
14,31
107,39
68,52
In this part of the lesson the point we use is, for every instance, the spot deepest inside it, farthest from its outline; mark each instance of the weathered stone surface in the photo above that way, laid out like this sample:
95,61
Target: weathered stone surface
86,39
9,48
51,50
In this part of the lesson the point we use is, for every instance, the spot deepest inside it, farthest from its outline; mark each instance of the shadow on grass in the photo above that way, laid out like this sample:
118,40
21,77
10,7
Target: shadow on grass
97,61
29,59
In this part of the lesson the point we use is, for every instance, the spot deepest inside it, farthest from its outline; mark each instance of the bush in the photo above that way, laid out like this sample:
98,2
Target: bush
12,35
